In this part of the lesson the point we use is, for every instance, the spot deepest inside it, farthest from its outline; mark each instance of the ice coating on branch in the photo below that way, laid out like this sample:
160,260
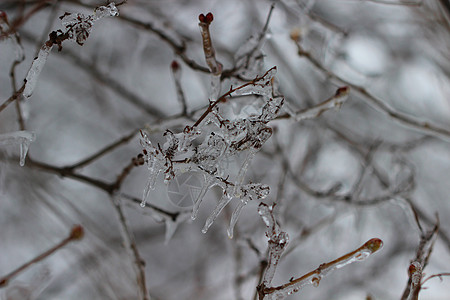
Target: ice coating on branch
210,152
78,26
335,101
249,57
208,146
259,87
109,10
210,54
277,245
216,85
35,70
23,138
278,241
314,277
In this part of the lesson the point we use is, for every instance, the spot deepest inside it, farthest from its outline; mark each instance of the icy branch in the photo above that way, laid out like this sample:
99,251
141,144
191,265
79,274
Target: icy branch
210,54
23,138
278,240
222,140
415,270
35,70
78,26
335,101
314,277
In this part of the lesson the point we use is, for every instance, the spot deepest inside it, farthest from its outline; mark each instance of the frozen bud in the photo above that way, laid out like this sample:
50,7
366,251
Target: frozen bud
175,66
206,19
373,245
342,91
3,16
77,232
296,34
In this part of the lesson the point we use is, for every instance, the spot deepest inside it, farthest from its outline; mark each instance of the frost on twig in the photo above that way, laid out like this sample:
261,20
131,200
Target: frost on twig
277,243
208,145
23,138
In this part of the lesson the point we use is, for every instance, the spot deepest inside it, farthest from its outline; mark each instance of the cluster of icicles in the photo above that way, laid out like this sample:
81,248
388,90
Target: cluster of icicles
208,147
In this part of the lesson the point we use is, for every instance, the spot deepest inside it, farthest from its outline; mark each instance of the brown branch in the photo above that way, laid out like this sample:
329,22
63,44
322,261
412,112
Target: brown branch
14,97
106,187
76,234
102,151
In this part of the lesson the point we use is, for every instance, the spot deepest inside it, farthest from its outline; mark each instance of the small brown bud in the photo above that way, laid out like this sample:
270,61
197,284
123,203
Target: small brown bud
206,19
77,232
342,91
175,66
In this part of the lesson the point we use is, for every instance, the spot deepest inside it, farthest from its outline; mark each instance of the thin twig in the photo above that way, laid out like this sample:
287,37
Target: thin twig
102,151
130,243
14,97
76,234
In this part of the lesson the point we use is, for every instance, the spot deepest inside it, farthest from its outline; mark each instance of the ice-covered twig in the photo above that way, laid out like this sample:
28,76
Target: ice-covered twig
335,101
278,240
258,80
418,264
23,138
314,277
249,57
210,54
77,27
35,70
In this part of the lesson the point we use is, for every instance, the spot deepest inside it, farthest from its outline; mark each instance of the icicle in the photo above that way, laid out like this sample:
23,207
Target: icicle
154,166
155,162
171,225
23,138
207,184
235,217
241,175
35,70
222,203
